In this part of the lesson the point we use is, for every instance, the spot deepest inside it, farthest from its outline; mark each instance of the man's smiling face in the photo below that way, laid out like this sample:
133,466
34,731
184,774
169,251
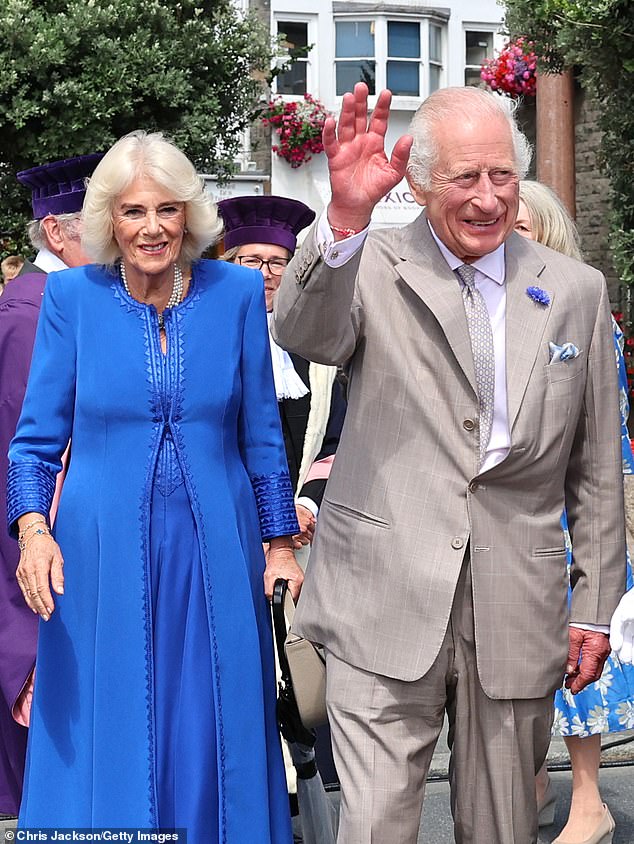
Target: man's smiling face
472,203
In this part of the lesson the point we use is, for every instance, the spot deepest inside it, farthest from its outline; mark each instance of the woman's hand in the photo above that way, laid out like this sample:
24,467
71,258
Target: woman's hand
281,562
41,566
360,172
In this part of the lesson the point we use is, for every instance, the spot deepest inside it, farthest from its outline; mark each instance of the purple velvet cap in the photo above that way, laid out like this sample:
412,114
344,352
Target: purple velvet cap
264,219
59,187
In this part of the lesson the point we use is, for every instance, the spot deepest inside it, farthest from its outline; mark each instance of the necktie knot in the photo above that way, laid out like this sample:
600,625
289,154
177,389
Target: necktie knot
466,274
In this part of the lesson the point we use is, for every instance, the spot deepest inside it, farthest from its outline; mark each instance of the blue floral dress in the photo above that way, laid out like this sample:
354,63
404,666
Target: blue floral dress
606,706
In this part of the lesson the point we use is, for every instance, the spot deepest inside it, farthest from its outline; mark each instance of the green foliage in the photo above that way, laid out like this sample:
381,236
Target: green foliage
75,75
597,36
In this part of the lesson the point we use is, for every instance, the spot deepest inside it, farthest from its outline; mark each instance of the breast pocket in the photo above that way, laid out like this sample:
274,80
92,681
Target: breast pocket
564,371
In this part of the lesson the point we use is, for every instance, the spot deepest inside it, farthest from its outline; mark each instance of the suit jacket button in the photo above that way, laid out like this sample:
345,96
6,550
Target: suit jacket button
468,424
457,543
473,486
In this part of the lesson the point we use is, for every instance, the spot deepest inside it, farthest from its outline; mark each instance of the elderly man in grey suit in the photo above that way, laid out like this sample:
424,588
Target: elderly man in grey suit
482,399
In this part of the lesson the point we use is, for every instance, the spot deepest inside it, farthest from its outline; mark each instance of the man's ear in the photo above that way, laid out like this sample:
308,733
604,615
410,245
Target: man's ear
418,193
54,235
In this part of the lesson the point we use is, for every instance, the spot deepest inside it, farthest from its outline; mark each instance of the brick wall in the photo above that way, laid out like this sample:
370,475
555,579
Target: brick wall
593,207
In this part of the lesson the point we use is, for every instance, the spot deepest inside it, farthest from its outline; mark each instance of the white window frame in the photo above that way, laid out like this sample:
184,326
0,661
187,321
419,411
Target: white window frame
491,28
311,60
381,56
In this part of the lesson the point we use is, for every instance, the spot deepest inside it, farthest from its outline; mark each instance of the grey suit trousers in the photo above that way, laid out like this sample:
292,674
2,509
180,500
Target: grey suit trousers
384,732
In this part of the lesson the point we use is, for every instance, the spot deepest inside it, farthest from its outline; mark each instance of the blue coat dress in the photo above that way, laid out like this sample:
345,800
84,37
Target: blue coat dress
160,647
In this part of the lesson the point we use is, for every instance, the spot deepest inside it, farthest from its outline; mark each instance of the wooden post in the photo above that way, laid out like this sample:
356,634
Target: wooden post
556,135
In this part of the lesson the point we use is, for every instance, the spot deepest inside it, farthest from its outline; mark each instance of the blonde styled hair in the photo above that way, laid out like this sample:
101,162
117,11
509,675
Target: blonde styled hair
137,155
551,224
459,105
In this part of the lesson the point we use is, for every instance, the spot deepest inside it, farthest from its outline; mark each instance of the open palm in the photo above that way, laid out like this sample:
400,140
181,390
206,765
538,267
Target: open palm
360,172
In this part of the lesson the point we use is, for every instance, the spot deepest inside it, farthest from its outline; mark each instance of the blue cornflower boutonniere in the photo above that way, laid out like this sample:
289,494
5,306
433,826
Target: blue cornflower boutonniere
538,295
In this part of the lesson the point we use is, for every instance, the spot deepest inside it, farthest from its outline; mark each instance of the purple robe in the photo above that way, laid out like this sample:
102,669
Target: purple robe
19,311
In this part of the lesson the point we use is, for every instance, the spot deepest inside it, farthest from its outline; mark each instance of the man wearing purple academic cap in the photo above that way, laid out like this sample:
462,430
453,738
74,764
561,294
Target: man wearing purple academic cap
57,196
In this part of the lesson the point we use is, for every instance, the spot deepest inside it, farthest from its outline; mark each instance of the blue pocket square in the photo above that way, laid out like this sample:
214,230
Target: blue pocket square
567,351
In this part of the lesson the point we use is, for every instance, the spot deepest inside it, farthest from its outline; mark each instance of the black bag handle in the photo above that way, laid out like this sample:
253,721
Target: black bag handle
288,717
279,626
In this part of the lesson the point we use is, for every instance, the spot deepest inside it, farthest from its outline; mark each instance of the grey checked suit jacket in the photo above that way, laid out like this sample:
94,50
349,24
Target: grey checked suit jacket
404,497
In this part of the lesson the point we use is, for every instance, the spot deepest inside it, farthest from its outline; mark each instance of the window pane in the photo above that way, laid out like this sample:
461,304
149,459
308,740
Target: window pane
295,33
402,78
435,43
349,73
354,38
434,78
472,77
403,39
293,81
479,47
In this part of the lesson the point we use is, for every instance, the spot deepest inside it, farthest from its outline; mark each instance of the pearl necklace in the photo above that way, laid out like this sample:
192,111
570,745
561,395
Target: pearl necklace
175,297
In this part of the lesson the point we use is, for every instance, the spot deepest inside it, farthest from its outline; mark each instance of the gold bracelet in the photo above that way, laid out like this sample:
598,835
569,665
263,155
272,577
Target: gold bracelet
22,543
32,524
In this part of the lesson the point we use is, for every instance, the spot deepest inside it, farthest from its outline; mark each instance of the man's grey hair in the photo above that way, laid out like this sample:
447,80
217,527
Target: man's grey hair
459,105
68,222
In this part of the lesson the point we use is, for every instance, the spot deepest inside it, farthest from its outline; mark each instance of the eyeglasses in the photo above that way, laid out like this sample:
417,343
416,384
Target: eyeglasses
276,265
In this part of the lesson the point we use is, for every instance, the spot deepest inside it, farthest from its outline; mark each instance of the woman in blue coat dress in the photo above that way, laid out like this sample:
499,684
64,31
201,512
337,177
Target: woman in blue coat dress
154,702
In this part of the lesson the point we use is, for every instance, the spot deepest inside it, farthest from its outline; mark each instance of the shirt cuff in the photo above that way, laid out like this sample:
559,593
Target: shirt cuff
337,253
309,504
596,628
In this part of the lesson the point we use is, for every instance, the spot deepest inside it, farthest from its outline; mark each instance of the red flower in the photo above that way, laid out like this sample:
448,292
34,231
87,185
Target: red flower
514,71
299,126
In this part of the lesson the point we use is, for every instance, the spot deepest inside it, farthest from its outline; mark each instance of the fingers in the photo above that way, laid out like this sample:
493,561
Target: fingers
595,649
282,564
329,137
575,640
360,108
57,574
400,154
380,113
35,571
346,126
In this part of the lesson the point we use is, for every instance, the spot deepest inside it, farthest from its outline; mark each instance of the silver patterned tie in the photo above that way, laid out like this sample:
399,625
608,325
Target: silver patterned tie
483,351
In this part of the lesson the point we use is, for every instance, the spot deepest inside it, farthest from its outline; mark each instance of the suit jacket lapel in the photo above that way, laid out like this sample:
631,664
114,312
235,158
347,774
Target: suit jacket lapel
525,320
426,272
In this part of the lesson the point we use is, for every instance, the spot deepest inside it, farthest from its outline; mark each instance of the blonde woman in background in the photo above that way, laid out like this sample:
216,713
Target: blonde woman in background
605,706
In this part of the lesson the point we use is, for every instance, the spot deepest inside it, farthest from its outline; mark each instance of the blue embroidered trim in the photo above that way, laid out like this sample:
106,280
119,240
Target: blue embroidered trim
30,489
276,506
176,372
152,349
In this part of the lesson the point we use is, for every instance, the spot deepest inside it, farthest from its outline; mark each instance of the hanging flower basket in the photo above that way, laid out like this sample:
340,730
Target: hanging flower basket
298,124
514,71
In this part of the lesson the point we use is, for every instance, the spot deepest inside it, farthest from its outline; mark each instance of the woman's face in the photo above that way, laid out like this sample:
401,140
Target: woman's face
148,227
278,256
523,223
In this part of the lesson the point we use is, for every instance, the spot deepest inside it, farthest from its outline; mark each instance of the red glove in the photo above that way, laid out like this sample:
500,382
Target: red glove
587,653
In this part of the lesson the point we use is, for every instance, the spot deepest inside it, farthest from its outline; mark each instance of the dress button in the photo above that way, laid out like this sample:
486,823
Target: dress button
473,486
468,424
457,543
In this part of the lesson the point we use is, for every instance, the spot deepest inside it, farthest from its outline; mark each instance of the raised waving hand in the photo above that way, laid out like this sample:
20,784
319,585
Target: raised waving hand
360,172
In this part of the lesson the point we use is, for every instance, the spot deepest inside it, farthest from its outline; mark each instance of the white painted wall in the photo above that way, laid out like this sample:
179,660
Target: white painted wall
309,183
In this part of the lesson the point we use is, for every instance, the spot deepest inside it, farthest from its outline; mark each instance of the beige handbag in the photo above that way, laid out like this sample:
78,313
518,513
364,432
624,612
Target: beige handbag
303,665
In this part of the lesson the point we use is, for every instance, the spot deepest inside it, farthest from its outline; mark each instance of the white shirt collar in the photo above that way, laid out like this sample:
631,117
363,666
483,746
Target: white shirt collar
491,265
49,262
